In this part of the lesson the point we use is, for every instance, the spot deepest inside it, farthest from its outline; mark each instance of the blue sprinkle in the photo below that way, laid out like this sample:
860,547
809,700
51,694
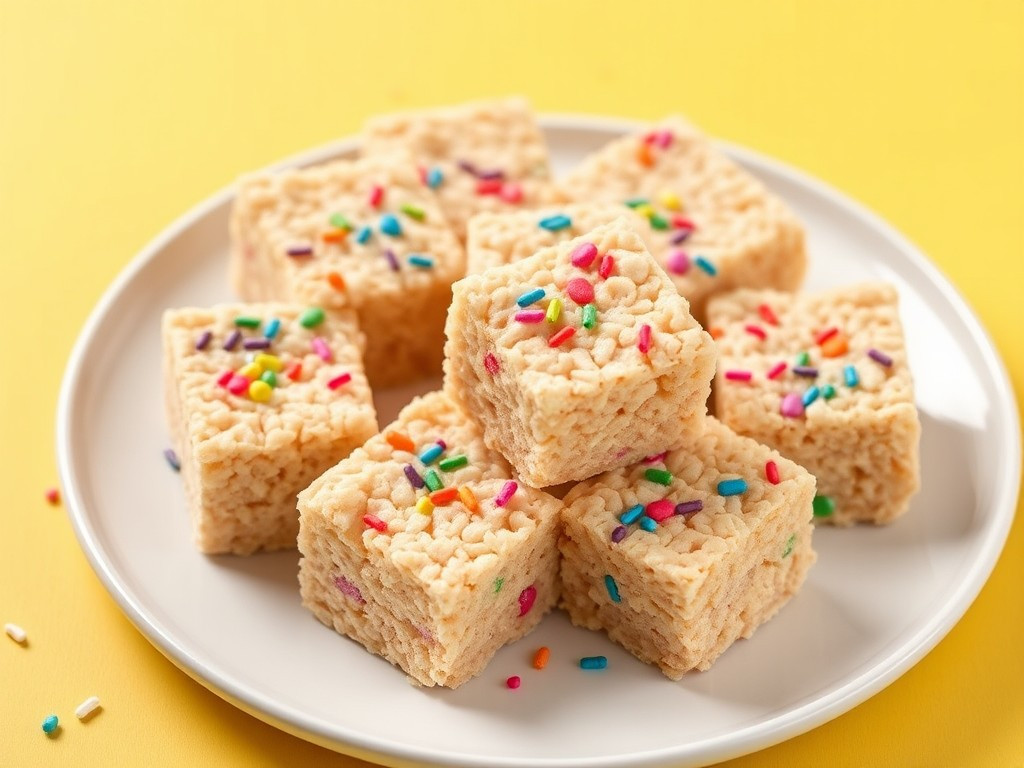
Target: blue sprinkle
364,235
50,723
556,222
434,178
431,454
389,225
706,265
613,589
418,260
272,328
631,515
810,396
732,487
648,524
172,459
593,662
530,297
851,377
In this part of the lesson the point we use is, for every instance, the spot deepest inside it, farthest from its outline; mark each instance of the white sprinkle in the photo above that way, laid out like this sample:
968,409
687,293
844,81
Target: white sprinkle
16,633
87,707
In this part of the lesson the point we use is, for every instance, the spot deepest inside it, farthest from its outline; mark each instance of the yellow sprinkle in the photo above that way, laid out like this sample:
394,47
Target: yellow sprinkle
268,362
554,310
671,201
251,370
468,498
260,391
645,209
425,506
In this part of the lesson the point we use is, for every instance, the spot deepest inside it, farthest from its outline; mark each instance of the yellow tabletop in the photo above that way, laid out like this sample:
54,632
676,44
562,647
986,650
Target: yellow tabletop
116,117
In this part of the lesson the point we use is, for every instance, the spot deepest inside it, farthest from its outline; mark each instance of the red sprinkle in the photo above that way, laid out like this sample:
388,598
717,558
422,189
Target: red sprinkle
825,335
514,682
491,364
294,371
526,599
53,496
768,315
771,471
583,255
561,337
238,384
511,193
659,510
423,174
655,458
775,370
375,522
738,375
339,381
225,377
607,265
756,330
488,186
580,290
376,195
681,222
643,340
444,496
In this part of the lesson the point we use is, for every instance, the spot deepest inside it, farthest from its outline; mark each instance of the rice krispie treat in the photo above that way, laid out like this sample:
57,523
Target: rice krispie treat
716,226
494,239
420,547
578,359
824,379
482,156
364,234
681,555
260,400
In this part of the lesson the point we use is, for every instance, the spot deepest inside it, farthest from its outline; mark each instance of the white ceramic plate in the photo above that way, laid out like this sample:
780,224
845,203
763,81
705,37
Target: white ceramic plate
875,603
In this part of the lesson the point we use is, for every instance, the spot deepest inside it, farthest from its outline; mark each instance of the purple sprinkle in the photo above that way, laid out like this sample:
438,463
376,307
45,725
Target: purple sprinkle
349,589
805,370
425,633
300,250
233,339
256,344
468,167
880,357
619,534
689,507
172,459
792,405
414,476
680,236
494,173
392,260
443,444
204,339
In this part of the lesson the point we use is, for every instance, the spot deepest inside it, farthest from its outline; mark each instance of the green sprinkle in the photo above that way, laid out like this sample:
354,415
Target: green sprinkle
658,222
554,310
339,221
453,462
413,212
660,476
433,481
828,391
498,583
269,377
244,321
312,317
589,316
803,359
636,202
823,506
789,546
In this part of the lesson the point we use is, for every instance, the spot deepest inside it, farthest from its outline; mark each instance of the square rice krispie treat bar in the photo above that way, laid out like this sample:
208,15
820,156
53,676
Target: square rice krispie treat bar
494,239
578,359
422,548
681,555
481,156
716,226
364,234
260,399
824,379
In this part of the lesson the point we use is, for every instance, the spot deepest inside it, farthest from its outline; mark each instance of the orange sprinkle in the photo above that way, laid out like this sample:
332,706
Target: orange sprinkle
540,658
444,496
716,332
400,442
336,280
334,235
294,371
468,498
644,155
835,346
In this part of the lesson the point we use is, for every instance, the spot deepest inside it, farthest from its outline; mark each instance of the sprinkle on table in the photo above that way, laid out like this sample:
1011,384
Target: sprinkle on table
491,364
172,459
823,506
643,339
776,370
771,472
50,724
53,496
632,514
756,330
593,662
554,310
850,376
733,487
452,463
687,508
204,340
810,396
311,318
580,290
558,339
506,493
513,682
340,380
415,480
421,261
540,658
555,223
16,633
735,375
613,588
583,255
530,297
660,476
87,707
678,262
530,316
706,266
880,357
768,314
606,267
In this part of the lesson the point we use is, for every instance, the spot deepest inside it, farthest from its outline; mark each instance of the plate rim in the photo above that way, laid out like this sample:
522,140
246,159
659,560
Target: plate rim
745,740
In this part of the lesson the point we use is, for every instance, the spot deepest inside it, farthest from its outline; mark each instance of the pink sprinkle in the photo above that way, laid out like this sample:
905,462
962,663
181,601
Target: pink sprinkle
349,589
491,364
661,509
776,370
506,492
530,316
643,341
238,385
771,471
756,330
583,255
53,496
225,377
607,265
376,195
339,381
678,262
580,290
738,375
321,349
654,459
792,406
526,599
514,682
664,139
425,634
511,193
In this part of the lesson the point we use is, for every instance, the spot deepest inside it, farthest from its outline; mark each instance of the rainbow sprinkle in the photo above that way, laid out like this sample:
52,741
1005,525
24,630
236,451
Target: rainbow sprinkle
687,508
606,267
375,522
593,662
311,318
513,682
431,454
172,459
558,339
321,349
444,496
823,506
415,480
299,250
738,375
810,396
660,476
413,211
880,357
767,314
580,290
583,255
828,391
530,297
732,487
491,364
660,510
421,261
339,381
613,588
526,599
648,524
204,340
619,533
425,506
589,316
706,266
555,223
643,340
850,376
452,463
505,494
805,371
776,370
756,330
632,514
376,196
390,225
771,472
392,260
554,310
272,328
530,316
540,658
364,235
678,262
434,177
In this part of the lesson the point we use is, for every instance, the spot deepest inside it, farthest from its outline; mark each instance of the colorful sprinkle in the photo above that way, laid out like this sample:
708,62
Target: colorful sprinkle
444,496
658,222
716,332
16,633
792,405
339,381
706,265
50,724
432,454
790,542
825,335
733,487
272,328
294,371
590,316
756,330
526,599
681,222
269,378
803,359
767,314
204,340
468,498
632,514
583,255
580,290
172,459
364,235
413,211
554,310
311,318
648,524
506,493
680,237
498,583
593,662
232,340
491,364
260,391
619,533
247,321
540,658
339,221
660,510
678,262
880,357
349,589
321,349
558,339
511,193
251,370
414,477
299,250
613,589
738,375
530,316
376,195
823,506
643,339
375,522
488,186
555,223
687,508
810,396
606,267
655,458
425,506
435,177
390,225
225,377
771,472
850,376
837,346
636,202
828,391
805,371
334,236
514,682
392,260
452,463
256,344
400,442
421,261
660,476
530,297
238,385
671,201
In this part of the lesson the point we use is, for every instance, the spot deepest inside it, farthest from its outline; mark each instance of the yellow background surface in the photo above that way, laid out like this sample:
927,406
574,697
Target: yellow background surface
115,118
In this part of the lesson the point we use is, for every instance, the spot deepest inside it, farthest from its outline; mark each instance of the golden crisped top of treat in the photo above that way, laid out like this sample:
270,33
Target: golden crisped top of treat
594,308
817,357
266,375
684,510
348,231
